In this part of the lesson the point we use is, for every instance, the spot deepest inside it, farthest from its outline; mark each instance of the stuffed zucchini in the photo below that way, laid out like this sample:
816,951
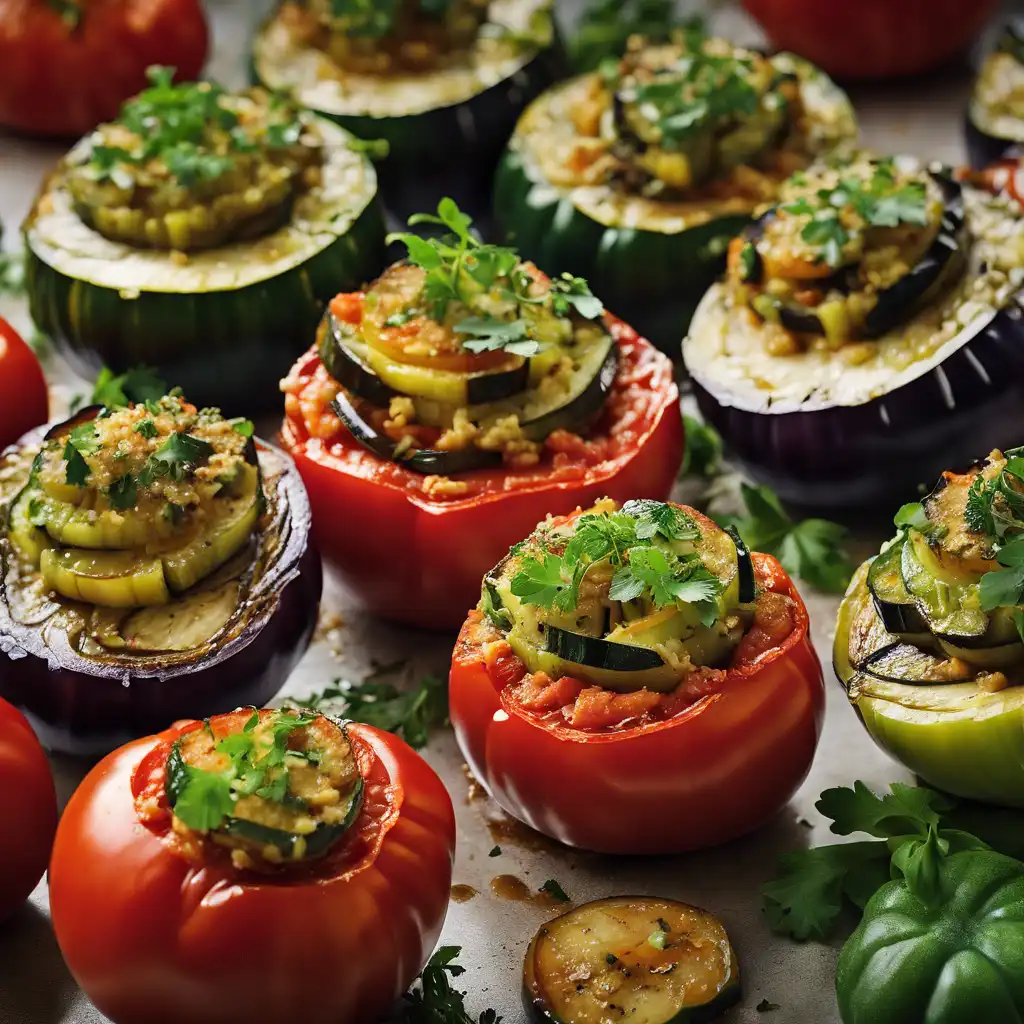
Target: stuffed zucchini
465,378
441,82
652,670
155,566
637,176
868,330
995,117
930,638
201,232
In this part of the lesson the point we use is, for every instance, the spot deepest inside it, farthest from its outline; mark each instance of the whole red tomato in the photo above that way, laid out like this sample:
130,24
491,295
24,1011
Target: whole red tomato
872,38
28,810
712,772
418,560
67,65
24,401
155,938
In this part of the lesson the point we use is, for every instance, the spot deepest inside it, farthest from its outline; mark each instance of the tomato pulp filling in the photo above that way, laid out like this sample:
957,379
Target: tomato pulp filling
570,702
354,851
643,388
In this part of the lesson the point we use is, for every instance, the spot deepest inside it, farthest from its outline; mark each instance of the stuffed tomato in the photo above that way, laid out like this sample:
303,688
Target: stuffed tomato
869,329
24,399
458,400
635,681
637,176
929,644
330,843
28,809
201,232
156,565
441,82
995,118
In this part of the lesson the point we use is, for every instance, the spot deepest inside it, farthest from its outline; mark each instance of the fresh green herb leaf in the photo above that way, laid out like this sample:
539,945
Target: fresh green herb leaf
541,583
173,513
140,384
495,851
1005,587
911,515
748,261
200,799
552,888
611,958
411,714
176,458
147,428
568,291
654,518
488,333
81,441
123,492
811,549
435,1001
242,426
766,1006
606,25
703,453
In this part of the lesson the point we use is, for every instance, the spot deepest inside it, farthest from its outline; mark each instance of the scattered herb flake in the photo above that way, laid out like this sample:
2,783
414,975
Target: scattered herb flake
766,1006
434,1000
552,888
495,851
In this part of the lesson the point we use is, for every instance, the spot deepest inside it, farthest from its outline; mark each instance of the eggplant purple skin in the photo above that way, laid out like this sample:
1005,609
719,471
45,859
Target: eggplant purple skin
836,457
85,708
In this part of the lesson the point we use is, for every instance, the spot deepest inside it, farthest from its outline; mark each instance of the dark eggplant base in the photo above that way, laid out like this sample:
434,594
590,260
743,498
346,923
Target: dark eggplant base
983,149
89,709
847,457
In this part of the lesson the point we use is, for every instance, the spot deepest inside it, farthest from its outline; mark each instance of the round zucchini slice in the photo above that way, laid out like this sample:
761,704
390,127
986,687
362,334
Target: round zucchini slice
649,260
445,128
224,323
639,958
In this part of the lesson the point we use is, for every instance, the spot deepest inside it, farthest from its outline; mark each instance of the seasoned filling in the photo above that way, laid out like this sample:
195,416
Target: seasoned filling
676,128
615,617
467,349
844,247
378,38
190,166
275,787
997,106
947,592
124,508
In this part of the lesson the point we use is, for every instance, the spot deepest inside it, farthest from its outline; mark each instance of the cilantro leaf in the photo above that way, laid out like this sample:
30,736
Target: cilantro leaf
606,25
911,515
552,888
201,799
811,549
541,582
177,457
489,334
575,292
703,449
137,385
147,428
81,441
659,517
411,714
1004,587
435,1001
766,1006
902,811
123,492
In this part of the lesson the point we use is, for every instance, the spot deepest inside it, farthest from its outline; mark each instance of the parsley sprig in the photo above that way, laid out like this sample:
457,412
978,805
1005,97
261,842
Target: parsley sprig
203,799
628,541
459,269
82,441
814,885
412,714
605,27
881,201
435,1000
810,548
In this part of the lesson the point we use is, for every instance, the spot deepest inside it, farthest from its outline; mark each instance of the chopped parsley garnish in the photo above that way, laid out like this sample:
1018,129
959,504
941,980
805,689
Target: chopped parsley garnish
434,1000
626,539
810,548
459,269
81,441
879,201
766,1006
115,391
411,714
204,799
703,449
123,492
147,428
605,27
552,888
495,851
242,426
176,458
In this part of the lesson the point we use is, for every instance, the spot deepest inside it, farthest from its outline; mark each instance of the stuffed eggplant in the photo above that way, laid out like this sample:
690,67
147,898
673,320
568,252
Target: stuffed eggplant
156,566
637,176
201,232
462,393
995,117
634,680
442,83
868,330
930,638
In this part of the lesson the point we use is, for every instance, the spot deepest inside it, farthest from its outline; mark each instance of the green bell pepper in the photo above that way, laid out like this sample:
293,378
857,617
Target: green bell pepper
942,945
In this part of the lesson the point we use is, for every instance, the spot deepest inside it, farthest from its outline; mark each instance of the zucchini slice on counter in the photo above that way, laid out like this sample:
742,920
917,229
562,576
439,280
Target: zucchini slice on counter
639,959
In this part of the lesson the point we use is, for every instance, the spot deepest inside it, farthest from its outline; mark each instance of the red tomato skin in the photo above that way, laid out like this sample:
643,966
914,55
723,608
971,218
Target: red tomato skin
28,810
872,38
57,80
716,771
24,399
419,562
153,939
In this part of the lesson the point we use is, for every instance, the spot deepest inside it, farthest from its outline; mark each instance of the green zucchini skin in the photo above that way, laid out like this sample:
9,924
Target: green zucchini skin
597,653
452,150
652,280
744,566
226,348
